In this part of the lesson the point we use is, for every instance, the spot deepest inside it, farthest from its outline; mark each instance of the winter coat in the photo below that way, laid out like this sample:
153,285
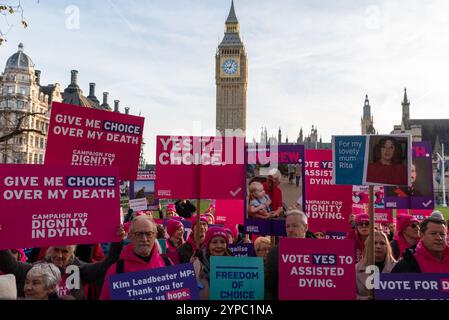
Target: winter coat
89,272
360,268
132,263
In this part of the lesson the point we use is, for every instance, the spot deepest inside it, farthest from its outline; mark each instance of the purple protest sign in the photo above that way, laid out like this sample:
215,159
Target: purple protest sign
242,249
420,194
170,283
285,191
412,286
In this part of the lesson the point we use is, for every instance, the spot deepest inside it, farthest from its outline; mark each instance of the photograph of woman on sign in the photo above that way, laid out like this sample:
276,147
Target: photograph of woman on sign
388,161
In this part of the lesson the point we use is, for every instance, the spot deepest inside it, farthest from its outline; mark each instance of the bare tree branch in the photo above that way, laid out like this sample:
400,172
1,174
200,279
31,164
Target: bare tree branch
18,130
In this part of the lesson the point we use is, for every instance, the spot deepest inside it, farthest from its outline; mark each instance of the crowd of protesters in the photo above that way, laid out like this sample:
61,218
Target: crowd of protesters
407,246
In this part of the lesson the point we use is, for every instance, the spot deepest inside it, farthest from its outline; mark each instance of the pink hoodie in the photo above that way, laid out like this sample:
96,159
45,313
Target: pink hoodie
131,263
403,221
428,263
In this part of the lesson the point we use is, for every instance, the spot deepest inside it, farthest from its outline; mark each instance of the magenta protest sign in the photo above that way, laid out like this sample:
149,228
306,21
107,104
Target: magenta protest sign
200,167
316,269
327,205
229,211
90,137
58,205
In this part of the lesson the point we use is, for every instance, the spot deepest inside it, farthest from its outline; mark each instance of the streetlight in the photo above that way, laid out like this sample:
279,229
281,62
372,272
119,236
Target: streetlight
443,177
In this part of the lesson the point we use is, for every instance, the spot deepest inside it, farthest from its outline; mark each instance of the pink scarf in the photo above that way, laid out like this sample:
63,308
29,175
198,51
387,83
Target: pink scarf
428,263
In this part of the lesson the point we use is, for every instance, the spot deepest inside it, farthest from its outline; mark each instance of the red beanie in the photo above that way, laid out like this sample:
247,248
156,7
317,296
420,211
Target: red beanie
362,217
194,220
403,221
215,232
208,214
172,226
171,207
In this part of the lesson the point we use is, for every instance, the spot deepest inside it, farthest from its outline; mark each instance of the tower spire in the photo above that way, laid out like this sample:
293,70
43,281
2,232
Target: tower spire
232,24
405,97
232,18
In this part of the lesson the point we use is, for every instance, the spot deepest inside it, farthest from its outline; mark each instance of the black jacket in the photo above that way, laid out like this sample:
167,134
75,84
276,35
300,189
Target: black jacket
408,262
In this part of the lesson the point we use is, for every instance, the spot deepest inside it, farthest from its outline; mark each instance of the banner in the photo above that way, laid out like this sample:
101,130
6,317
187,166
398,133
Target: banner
242,249
229,211
80,136
348,158
412,286
316,269
49,206
287,192
328,206
419,214
372,160
143,188
236,278
200,167
169,283
138,204
420,194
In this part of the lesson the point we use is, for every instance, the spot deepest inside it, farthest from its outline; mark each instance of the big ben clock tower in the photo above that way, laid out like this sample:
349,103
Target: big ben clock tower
231,75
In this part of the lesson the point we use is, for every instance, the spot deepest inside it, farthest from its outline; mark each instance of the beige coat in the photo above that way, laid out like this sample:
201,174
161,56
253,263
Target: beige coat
362,292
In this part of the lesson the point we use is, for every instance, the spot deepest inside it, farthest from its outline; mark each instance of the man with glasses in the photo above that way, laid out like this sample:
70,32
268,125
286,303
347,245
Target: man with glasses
431,254
407,234
140,254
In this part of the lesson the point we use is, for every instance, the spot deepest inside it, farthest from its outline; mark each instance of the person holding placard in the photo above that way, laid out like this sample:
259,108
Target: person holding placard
63,257
387,166
140,254
384,262
360,234
296,226
215,244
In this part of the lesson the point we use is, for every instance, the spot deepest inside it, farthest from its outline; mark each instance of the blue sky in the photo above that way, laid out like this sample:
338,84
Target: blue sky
310,62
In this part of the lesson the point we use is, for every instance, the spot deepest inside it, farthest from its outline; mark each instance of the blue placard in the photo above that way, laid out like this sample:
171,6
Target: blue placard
170,283
242,249
236,278
349,159
412,286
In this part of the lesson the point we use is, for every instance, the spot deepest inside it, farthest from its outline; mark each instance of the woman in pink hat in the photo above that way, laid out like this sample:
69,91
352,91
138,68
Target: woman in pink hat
175,230
360,235
215,243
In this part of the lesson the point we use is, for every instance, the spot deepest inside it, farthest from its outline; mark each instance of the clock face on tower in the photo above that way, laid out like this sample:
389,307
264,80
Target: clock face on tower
230,67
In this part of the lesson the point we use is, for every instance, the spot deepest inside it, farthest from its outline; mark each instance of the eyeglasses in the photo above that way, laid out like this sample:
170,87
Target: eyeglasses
364,224
414,225
148,234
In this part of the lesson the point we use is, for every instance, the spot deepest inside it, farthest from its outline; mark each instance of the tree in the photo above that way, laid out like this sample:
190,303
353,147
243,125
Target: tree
17,127
14,134
7,10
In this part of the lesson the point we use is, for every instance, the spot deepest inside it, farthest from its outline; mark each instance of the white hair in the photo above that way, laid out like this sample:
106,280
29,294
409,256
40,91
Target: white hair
49,272
143,217
295,212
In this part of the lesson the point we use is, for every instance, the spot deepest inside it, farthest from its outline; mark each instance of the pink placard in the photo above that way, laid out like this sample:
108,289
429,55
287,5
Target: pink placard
200,167
59,205
81,136
229,212
420,214
327,205
316,269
